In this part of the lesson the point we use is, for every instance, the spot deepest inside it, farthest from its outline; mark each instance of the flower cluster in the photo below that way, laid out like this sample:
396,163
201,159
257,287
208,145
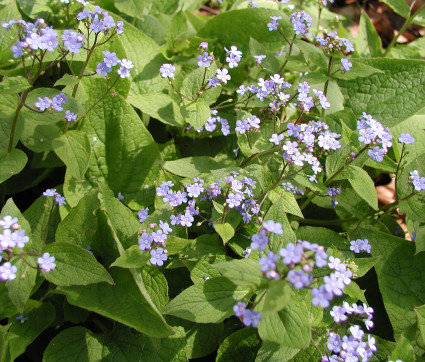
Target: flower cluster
304,141
274,25
155,242
12,235
60,200
211,124
301,21
55,103
373,132
356,345
99,21
288,186
247,316
32,37
238,196
332,43
247,124
110,60
360,245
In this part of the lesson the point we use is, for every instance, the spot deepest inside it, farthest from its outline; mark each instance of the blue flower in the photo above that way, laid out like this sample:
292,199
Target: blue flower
158,257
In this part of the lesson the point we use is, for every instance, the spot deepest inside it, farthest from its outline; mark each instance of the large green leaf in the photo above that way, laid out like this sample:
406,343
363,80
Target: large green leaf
390,97
8,11
400,277
230,29
241,345
160,106
40,316
363,185
196,113
290,326
80,224
243,272
401,7
124,154
9,102
210,302
192,166
11,163
119,302
75,266
277,214
368,42
73,148
133,257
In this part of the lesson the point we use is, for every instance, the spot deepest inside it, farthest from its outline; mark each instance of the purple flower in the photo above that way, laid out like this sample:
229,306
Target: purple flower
103,69
204,60
49,192
346,65
406,138
291,254
158,257
124,69
301,22
8,221
165,227
73,41
70,116
60,199
58,101
46,262
97,25
321,296
167,70
222,75
43,103
377,154
268,262
333,284
273,227
251,318
143,214
7,272
110,59
338,314
239,308
273,25
299,279
259,241
145,241
259,58
120,27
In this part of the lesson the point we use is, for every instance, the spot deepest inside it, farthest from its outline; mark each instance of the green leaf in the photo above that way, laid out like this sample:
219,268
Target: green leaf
196,113
241,345
156,285
124,154
400,277
11,163
235,24
290,204
275,352
210,302
277,214
14,84
314,54
277,296
363,185
290,326
78,343
160,106
132,7
145,74
205,268
133,257
401,7
9,104
79,226
390,97
403,351
9,10
368,42
119,302
192,166
242,272
420,314
40,316
323,236
202,339
354,291
73,148
225,231
193,83
67,80
177,27
75,266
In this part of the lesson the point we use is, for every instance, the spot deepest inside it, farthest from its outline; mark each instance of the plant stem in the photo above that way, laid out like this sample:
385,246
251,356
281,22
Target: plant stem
48,223
21,102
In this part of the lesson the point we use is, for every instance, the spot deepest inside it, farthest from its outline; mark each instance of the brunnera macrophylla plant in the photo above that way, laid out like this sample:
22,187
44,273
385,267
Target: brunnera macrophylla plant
177,186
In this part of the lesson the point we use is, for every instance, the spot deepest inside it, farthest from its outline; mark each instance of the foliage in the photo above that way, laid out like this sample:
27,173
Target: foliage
177,186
